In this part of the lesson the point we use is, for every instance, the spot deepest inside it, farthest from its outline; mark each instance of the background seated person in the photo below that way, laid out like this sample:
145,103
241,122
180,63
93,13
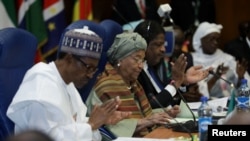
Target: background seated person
207,53
191,92
154,77
240,46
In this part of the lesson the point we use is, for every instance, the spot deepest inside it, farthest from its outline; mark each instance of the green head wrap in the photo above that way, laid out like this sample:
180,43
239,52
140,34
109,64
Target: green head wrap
125,44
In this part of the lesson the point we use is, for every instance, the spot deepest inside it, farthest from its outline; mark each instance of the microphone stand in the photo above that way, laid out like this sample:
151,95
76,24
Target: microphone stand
231,103
216,75
192,124
178,123
122,17
170,20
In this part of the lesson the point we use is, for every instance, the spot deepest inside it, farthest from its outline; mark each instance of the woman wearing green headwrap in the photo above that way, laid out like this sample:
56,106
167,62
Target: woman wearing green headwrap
126,59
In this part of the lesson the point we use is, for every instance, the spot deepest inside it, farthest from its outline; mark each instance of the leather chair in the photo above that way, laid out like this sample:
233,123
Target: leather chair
17,55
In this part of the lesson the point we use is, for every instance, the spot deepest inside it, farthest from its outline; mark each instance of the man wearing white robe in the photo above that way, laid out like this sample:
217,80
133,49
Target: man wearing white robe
208,54
47,99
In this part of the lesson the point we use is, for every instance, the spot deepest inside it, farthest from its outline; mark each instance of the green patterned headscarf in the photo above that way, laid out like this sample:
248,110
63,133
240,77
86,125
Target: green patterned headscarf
125,44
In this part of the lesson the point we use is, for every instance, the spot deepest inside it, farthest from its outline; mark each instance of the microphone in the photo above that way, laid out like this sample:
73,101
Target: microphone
192,125
164,12
183,126
218,76
122,17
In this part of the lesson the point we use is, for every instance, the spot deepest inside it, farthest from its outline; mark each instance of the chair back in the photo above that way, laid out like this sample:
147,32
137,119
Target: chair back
17,55
107,31
111,28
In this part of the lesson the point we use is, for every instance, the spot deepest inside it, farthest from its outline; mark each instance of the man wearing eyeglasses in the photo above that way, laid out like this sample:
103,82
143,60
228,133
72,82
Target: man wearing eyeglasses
47,99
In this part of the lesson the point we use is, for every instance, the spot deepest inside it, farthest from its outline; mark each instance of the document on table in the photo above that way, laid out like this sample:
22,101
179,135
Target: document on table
180,120
213,103
186,113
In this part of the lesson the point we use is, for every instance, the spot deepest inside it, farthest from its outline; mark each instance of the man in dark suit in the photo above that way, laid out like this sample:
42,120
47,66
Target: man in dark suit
187,13
125,11
240,47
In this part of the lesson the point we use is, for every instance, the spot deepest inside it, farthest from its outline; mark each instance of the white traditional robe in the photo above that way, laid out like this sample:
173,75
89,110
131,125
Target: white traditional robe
221,88
45,102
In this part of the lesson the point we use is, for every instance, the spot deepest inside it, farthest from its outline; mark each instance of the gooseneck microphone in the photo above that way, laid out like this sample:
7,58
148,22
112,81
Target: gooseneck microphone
192,125
181,125
218,76
121,16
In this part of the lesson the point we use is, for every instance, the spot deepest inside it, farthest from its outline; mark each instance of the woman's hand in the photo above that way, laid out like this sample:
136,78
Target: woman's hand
174,111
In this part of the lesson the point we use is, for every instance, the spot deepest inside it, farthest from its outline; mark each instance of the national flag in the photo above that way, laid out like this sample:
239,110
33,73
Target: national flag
7,13
30,17
232,102
54,17
82,10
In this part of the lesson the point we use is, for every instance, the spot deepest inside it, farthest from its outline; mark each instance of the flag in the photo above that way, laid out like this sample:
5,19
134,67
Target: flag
7,13
82,10
231,104
30,17
54,17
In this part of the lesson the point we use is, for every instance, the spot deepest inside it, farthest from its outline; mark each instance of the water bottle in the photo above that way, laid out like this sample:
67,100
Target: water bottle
242,96
205,114
241,112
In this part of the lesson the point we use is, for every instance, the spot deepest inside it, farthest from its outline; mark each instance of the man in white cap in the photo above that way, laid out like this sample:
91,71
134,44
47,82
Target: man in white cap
207,53
48,101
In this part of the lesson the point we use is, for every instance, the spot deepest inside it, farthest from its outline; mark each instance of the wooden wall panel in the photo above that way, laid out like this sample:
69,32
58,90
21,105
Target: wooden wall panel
229,13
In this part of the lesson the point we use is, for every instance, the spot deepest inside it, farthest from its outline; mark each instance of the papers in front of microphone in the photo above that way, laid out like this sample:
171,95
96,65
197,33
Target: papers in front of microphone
215,103
180,120
141,139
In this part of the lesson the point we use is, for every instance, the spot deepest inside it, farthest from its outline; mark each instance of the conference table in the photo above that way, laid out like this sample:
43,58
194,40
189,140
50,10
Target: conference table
165,133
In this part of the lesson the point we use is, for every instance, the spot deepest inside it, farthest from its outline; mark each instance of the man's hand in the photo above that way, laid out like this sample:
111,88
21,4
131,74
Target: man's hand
241,68
118,116
195,74
178,70
221,69
193,94
106,114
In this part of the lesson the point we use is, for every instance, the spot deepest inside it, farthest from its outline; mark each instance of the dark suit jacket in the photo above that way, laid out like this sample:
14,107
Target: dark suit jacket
239,49
130,12
164,97
184,14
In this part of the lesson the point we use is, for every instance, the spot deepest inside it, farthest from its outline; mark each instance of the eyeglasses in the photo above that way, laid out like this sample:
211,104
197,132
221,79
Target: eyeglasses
138,60
90,69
